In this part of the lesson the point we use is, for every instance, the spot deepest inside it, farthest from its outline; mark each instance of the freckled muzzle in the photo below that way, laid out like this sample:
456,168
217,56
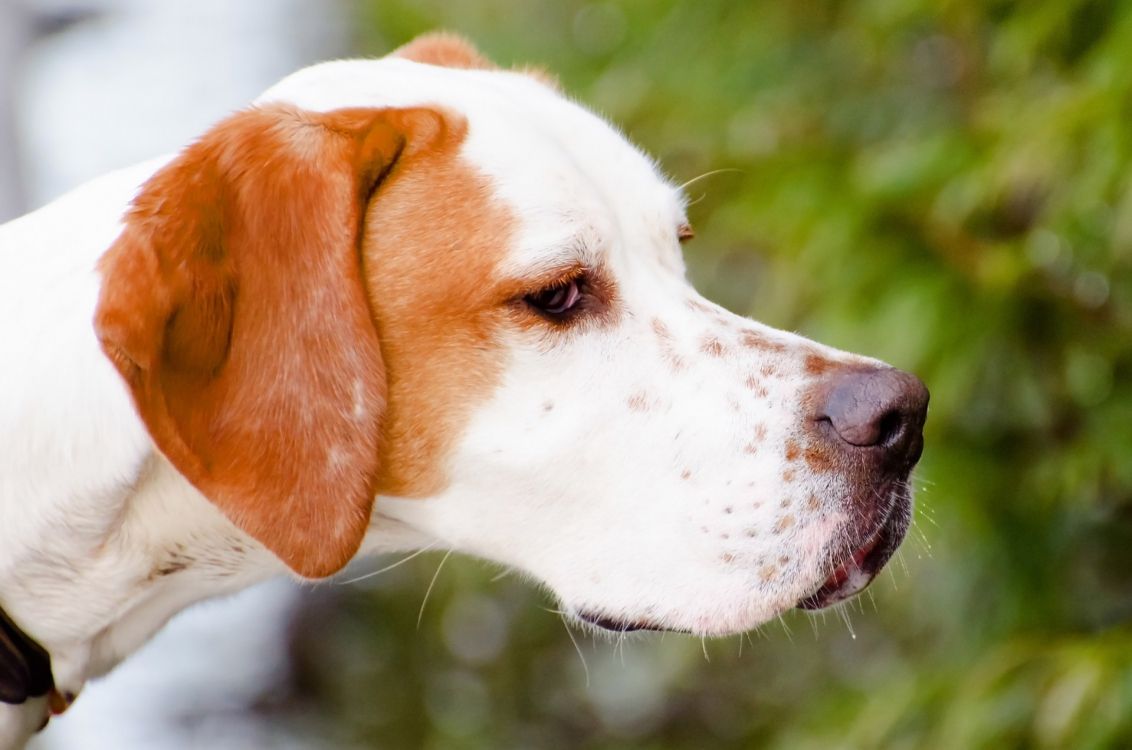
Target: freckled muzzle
868,423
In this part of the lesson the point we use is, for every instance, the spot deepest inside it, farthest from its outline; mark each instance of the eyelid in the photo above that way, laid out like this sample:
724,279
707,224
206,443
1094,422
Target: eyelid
557,277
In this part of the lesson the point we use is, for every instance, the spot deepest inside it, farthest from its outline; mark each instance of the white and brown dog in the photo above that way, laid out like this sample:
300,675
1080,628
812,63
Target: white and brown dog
399,303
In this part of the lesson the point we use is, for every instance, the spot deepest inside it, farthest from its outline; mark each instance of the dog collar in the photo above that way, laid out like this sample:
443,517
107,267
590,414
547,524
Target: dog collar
25,666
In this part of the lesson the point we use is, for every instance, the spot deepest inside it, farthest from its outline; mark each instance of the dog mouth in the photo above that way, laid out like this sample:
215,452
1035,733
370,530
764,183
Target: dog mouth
855,571
861,565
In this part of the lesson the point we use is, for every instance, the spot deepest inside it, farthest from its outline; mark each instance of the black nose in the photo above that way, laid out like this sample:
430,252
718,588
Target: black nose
881,410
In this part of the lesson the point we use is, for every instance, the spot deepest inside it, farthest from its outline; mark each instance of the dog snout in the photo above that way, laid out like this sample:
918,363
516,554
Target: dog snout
880,411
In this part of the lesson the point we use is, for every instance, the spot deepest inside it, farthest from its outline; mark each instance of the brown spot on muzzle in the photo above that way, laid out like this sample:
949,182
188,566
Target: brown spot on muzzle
759,342
820,458
639,401
698,306
783,524
713,347
817,365
672,358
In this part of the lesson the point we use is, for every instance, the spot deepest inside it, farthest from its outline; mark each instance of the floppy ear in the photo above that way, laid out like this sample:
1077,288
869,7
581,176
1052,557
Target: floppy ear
445,49
233,305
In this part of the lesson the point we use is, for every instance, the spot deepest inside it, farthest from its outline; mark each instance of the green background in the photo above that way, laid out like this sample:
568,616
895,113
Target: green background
943,185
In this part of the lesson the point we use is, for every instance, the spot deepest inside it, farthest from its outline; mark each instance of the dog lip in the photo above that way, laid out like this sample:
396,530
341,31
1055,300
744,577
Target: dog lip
841,583
620,626
858,569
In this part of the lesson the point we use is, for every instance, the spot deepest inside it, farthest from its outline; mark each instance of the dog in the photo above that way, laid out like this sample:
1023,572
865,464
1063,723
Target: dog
417,301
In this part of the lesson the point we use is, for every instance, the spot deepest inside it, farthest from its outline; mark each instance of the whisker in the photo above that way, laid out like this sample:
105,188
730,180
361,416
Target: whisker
420,615
903,562
501,575
402,561
844,613
786,629
581,656
705,175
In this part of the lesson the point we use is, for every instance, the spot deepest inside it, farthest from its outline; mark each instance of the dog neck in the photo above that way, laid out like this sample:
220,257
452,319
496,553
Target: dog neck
98,596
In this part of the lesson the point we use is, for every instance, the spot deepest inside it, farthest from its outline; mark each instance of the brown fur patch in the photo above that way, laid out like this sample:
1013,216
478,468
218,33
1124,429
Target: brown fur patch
435,237
792,450
445,49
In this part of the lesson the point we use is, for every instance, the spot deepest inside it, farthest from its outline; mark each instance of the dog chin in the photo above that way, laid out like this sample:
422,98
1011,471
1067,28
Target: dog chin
863,551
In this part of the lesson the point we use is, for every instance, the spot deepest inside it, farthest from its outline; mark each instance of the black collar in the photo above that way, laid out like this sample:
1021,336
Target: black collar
25,666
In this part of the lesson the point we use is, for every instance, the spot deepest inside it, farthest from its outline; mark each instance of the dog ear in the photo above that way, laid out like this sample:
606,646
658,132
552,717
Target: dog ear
445,49
233,304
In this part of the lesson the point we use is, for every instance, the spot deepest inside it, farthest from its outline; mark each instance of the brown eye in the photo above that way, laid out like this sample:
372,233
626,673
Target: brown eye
556,301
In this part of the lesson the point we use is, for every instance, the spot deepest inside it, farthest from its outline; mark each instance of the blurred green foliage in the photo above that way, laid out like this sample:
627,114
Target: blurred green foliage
942,184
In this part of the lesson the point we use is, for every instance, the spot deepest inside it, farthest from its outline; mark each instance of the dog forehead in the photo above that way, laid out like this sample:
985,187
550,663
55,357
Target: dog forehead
574,180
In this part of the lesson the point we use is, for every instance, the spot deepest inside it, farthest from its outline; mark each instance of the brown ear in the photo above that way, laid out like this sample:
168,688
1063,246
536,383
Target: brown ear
234,307
445,49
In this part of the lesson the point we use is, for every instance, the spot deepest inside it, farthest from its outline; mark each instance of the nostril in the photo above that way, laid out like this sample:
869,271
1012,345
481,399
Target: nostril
889,427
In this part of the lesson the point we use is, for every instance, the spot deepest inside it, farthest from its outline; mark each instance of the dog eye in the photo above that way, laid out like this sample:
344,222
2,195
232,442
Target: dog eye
558,300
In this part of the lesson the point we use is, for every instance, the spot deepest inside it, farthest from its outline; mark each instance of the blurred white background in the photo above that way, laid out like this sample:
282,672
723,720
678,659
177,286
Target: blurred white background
87,86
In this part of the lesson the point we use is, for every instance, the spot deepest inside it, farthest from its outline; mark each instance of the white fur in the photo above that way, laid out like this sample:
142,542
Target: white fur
650,512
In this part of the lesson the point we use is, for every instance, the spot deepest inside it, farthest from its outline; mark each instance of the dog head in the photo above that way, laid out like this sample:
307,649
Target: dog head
444,285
